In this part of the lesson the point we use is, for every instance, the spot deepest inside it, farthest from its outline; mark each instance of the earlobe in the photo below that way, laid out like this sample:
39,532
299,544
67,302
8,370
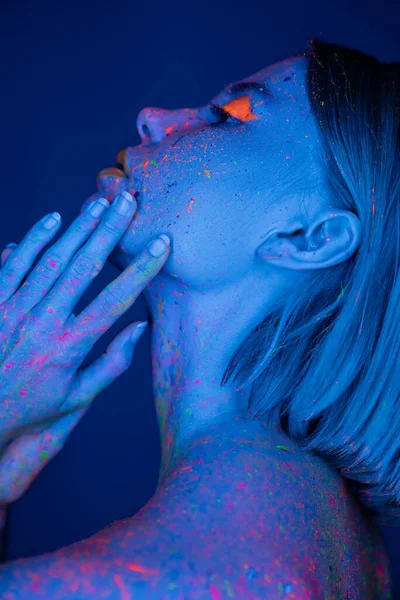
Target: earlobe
330,239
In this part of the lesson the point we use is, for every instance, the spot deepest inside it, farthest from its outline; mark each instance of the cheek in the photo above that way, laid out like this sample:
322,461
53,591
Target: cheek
210,257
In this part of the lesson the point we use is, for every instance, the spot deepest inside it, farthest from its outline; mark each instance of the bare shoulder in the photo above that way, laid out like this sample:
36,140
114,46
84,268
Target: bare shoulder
245,515
259,510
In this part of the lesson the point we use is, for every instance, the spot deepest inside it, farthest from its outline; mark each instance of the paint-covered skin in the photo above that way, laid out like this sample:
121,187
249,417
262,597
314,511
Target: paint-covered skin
240,240
44,389
237,513
243,516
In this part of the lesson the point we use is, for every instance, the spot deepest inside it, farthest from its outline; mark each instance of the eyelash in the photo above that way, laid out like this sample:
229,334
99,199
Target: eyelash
223,114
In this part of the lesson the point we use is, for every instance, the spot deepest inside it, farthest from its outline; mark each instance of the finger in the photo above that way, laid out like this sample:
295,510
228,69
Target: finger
89,261
24,255
58,256
96,196
6,253
28,454
94,378
120,294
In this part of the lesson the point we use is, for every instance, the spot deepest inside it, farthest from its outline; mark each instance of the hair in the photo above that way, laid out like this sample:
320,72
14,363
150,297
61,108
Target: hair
325,365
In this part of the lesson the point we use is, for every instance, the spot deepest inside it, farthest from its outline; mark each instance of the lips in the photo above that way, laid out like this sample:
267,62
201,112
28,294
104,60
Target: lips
121,159
113,180
110,182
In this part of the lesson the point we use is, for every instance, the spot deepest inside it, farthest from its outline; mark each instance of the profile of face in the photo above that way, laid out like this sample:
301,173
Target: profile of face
235,186
205,175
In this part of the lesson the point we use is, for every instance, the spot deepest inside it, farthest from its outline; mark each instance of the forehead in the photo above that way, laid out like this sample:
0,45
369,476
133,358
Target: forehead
289,75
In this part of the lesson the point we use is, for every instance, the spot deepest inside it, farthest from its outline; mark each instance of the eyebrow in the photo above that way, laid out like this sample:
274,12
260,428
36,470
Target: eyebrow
257,86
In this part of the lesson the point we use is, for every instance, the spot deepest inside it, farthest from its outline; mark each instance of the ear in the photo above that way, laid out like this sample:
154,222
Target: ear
331,238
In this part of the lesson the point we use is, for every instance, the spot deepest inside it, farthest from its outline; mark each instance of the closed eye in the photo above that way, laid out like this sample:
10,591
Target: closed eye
222,114
237,110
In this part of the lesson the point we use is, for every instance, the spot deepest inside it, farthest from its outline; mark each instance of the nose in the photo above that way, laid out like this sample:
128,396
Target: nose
155,124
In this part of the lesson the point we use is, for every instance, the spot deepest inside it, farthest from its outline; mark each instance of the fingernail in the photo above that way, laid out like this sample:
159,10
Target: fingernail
127,195
159,245
123,203
51,220
12,245
98,207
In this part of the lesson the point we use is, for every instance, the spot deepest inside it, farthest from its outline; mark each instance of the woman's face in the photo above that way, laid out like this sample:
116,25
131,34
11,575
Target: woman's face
206,183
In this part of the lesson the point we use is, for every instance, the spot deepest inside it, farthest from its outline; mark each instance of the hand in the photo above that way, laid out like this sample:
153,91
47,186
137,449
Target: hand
26,456
43,344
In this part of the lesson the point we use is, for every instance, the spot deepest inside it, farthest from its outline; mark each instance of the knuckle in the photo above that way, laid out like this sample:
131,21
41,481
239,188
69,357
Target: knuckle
17,264
144,268
51,262
111,227
84,266
112,303
80,227
33,238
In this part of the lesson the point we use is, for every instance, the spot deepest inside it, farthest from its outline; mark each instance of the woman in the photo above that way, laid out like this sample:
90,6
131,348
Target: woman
288,184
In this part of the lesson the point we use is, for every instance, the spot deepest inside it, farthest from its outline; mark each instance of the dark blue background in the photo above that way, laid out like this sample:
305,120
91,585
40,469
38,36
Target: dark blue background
73,78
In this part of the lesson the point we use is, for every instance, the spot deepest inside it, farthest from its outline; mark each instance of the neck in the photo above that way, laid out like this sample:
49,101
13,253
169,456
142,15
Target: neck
192,340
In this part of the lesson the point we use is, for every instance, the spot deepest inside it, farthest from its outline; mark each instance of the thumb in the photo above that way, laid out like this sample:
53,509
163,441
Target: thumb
98,375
